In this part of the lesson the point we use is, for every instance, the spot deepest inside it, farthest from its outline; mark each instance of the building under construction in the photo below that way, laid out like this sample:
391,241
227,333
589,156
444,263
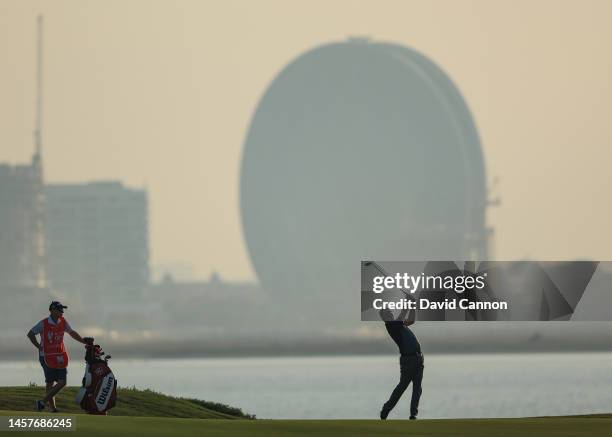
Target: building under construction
22,238
73,241
22,209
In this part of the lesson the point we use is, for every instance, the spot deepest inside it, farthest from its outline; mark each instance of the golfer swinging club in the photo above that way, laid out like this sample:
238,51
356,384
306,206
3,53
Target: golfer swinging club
52,352
412,362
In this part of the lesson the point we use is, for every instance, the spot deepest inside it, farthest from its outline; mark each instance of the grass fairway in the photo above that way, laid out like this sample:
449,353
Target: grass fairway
145,413
160,426
130,402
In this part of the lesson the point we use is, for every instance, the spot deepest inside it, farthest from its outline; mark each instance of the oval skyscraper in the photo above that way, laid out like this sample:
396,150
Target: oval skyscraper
359,150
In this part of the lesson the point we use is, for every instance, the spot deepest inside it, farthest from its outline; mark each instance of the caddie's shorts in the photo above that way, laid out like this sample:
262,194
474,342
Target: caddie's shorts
53,375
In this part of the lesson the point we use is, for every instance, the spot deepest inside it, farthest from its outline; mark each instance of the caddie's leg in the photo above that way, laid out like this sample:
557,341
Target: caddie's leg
49,386
54,390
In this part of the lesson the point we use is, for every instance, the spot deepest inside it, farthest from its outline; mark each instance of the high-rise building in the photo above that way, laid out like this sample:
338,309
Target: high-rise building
22,209
97,240
22,243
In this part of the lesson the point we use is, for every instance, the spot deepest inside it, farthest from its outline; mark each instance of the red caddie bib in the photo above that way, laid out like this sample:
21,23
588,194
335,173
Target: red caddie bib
54,350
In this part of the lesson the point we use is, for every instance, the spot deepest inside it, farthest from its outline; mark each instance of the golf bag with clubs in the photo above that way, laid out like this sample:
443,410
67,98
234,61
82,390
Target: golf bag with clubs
98,393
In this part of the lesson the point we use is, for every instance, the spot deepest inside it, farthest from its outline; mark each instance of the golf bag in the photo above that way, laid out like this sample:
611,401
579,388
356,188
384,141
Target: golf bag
98,393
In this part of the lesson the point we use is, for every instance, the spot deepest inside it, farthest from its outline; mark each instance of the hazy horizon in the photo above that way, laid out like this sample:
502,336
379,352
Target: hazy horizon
159,94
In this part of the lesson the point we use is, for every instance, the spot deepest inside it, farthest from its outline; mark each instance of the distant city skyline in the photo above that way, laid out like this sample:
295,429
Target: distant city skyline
166,106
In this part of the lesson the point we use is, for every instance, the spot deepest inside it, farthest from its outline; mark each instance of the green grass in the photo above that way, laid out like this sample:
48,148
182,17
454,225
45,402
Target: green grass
130,402
160,426
146,413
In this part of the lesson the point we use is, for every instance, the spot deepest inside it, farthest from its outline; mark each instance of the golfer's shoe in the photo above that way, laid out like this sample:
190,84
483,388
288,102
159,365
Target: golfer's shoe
412,417
55,410
40,405
383,414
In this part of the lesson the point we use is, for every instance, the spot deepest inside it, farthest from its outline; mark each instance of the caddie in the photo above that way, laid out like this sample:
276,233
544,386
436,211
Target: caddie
52,353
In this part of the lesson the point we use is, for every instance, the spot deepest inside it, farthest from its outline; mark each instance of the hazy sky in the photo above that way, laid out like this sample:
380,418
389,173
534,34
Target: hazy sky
160,93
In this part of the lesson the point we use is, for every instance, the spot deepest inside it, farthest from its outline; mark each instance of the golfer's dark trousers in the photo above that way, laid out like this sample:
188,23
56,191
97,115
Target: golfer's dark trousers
411,370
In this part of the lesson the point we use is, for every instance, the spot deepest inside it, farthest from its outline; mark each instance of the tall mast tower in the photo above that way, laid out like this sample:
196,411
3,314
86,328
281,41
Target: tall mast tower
23,257
37,158
38,224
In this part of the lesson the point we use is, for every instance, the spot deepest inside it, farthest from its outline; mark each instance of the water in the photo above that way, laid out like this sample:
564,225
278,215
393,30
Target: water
508,385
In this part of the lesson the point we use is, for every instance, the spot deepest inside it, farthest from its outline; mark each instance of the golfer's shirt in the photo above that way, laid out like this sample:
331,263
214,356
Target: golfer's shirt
38,329
404,338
